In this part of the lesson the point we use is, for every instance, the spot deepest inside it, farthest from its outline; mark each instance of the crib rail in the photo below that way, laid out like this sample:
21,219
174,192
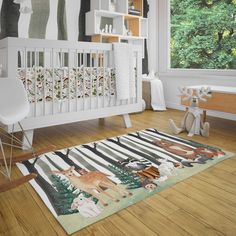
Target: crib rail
64,77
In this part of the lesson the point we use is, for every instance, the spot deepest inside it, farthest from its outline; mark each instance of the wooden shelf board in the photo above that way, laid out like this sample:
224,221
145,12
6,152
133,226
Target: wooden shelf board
132,37
129,16
110,35
224,102
115,14
109,38
120,36
108,13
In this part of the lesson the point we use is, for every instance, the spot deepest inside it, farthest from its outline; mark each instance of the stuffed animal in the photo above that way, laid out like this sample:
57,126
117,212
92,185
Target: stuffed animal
192,122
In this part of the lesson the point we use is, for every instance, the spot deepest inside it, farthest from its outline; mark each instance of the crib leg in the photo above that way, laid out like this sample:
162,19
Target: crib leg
27,140
127,121
101,121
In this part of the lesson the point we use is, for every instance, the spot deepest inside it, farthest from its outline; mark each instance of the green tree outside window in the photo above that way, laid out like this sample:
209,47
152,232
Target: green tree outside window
203,34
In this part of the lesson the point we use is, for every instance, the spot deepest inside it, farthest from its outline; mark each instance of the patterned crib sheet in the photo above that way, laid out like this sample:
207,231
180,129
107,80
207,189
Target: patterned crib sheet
67,83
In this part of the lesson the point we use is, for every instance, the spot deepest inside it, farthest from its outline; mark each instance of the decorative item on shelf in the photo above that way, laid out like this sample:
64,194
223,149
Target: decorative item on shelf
113,5
125,30
131,4
192,119
106,28
110,29
134,12
129,33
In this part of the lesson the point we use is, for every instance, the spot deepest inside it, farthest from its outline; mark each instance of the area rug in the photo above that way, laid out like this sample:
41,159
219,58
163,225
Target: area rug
83,184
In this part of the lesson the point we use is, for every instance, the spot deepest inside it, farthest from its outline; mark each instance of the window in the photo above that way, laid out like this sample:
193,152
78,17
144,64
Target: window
202,34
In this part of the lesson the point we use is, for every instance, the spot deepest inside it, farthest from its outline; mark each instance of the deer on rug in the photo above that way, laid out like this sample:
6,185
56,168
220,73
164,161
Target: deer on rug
192,122
94,183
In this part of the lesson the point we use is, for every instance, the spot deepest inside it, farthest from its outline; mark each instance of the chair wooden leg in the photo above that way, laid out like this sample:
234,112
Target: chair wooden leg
29,155
15,183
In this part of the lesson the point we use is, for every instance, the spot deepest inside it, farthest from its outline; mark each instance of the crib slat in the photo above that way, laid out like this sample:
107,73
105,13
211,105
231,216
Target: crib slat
139,72
109,87
76,78
97,77
91,78
69,67
84,61
25,66
61,81
81,79
30,69
35,84
44,82
52,62
103,89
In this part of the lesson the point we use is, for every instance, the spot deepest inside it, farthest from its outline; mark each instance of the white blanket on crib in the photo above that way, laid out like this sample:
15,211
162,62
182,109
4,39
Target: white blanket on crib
125,76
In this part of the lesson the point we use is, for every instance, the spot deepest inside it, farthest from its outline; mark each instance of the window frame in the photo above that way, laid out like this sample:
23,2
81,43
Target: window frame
164,56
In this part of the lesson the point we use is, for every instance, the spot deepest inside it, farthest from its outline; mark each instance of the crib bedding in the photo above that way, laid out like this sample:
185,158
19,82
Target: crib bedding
61,84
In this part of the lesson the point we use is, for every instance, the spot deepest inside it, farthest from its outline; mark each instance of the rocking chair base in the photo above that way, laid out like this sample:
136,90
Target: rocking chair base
27,156
15,183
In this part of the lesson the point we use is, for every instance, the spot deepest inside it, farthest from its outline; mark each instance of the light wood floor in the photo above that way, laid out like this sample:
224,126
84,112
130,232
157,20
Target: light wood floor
204,204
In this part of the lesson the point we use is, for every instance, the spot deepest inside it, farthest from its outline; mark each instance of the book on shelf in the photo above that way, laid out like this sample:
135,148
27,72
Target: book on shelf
134,12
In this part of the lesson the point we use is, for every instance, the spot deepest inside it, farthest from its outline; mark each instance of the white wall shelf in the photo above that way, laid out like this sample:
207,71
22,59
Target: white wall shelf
125,27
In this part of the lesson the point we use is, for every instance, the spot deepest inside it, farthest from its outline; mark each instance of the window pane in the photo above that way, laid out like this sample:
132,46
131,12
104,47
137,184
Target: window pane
203,34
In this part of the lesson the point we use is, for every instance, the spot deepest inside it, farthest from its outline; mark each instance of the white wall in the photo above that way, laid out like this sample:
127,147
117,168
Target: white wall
172,79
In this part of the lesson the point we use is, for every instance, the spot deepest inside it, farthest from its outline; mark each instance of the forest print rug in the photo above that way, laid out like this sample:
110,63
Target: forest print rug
83,184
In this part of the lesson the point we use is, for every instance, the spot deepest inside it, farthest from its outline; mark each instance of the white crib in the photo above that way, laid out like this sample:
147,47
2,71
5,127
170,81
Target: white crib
68,81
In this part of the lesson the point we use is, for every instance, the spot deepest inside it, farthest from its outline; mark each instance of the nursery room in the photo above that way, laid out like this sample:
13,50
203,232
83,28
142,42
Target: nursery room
117,117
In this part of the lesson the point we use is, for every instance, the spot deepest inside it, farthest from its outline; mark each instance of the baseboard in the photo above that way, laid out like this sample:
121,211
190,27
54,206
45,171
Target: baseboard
218,114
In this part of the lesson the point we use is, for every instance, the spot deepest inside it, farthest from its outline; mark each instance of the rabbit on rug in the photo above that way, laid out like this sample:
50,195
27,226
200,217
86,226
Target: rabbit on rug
86,206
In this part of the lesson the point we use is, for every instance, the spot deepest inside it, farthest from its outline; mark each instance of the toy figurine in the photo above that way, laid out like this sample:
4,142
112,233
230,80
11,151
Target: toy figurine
192,122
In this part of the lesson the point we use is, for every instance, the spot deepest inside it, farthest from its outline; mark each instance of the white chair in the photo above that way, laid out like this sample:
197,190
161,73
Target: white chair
14,107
